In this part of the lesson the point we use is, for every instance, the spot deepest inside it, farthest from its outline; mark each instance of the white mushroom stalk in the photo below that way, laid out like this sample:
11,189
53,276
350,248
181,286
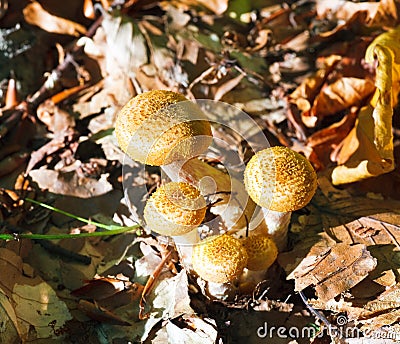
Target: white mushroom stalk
280,181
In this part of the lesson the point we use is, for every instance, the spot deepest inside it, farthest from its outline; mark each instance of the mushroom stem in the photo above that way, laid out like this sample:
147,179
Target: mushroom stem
277,224
249,280
174,171
184,245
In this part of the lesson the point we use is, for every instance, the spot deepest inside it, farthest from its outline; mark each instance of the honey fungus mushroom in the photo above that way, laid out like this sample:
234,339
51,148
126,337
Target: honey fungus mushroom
280,181
159,127
176,209
219,259
261,250
262,253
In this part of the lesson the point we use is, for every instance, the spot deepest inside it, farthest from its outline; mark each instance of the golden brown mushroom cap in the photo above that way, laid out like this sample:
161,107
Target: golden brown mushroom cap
153,128
219,258
280,179
261,250
175,208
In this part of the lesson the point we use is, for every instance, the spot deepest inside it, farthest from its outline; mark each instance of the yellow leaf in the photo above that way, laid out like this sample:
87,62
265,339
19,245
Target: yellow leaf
368,150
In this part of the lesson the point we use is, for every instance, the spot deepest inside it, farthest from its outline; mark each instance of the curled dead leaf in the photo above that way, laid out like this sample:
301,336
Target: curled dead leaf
340,95
101,314
368,149
304,95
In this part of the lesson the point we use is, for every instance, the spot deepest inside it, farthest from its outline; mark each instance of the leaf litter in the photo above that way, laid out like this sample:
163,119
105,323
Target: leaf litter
321,78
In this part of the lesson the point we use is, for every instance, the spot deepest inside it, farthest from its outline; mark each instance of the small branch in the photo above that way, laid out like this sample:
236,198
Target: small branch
319,315
150,285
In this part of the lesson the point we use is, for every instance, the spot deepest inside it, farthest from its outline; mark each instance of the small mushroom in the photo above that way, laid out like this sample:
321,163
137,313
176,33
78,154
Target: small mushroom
176,209
262,253
280,181
219,259
261,250
160,127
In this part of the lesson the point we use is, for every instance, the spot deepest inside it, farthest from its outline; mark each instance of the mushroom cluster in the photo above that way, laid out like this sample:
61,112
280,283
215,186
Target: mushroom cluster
277,179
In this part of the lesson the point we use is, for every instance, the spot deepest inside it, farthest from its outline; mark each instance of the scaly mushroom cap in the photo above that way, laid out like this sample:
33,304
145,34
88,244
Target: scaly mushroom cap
219,258
175,208
261,250
154,129
280,179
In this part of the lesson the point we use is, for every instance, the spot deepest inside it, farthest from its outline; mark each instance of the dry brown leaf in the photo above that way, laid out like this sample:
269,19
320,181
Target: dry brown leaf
101,314
385,319
193,330
386,311
381,237
387,14
340,95
368,149
361,238
304,95
360,220
70,183
38,306
35,14
333,270
56,119
372,315
29,298
324,141
11,267
120,49
228,86
100,288
9,331
389,299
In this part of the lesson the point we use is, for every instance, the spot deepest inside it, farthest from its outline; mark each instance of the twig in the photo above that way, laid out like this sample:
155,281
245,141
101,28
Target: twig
150,285
319,315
